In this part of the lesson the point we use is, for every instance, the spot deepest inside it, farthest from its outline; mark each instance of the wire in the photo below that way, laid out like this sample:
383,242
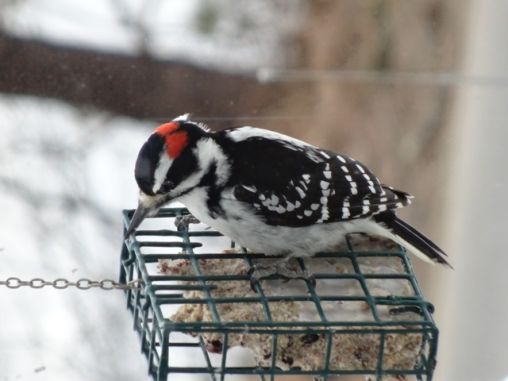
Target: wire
422,78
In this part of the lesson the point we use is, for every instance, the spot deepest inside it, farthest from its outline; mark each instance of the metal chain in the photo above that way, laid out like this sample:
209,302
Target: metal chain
62,283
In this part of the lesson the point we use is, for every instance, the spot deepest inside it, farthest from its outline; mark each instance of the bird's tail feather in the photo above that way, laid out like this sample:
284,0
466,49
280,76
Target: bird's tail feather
407,236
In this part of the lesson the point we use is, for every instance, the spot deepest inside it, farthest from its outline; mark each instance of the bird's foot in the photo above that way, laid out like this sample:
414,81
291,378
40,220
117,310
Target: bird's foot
183,222
285,269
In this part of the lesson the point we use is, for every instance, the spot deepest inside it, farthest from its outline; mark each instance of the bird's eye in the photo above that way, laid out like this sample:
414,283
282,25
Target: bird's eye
166,187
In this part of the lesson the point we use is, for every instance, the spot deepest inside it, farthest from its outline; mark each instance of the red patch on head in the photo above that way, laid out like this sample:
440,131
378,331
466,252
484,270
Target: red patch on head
167,128
175,143
175,140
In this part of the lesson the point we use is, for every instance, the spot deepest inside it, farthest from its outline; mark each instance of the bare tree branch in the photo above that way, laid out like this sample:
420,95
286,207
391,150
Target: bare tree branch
130,85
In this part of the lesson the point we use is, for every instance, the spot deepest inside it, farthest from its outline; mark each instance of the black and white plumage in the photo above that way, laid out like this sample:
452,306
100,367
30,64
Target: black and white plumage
269,192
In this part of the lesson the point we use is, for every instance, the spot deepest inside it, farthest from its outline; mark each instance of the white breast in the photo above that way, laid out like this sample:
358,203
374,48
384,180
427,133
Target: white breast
248,230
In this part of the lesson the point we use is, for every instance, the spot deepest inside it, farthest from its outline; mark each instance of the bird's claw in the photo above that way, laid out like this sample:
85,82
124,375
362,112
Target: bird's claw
311,280
183,222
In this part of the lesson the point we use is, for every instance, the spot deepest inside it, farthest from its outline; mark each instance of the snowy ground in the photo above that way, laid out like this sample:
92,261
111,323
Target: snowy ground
64,178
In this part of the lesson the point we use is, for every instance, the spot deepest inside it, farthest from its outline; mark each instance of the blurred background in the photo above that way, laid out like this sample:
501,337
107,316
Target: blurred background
417,90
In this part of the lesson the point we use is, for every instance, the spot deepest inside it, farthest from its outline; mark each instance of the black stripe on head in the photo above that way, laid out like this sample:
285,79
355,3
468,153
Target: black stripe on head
146,163
194,130
213,200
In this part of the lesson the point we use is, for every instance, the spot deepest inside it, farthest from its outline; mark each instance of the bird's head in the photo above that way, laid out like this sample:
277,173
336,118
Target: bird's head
167,166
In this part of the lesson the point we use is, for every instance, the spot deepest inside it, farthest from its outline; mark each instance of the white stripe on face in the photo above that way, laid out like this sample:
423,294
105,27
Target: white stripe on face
207,152
162,170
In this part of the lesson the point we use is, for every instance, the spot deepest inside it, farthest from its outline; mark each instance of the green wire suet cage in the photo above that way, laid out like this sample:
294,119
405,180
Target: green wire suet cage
199,312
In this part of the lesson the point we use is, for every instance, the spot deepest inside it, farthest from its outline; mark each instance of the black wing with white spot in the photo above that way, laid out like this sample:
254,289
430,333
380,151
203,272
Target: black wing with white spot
291,183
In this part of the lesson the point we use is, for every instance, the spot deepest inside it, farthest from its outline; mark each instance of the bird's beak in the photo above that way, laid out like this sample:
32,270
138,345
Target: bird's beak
138,217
